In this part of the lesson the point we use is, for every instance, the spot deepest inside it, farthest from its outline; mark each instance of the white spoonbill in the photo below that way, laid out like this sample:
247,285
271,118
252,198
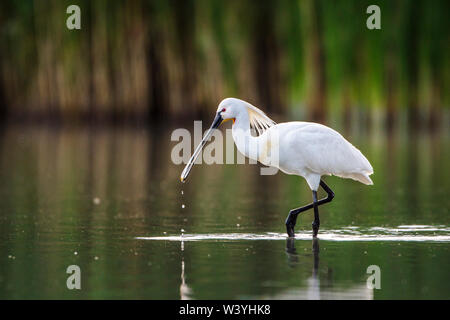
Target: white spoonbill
306,149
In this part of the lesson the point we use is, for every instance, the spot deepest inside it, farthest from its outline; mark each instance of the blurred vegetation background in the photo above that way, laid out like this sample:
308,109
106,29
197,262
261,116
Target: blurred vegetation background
79,193
143,60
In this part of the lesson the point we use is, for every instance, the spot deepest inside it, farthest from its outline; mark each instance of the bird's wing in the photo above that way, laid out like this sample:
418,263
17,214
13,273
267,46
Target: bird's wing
324,151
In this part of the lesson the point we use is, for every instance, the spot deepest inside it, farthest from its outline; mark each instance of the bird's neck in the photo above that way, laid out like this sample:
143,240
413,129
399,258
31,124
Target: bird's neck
245,142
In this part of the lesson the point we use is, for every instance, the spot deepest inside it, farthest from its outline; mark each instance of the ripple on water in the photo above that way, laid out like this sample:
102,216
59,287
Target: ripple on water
422,233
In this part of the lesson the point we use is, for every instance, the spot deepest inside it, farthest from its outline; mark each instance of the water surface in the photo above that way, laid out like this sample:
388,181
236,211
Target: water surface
109,200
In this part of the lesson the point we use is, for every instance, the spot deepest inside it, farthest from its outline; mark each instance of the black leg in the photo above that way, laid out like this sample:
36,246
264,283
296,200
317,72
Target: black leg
292,217
316,222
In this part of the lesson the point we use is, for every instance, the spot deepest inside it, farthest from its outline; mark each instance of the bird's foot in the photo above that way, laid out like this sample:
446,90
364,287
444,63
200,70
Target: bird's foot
290,225
290,230
315,228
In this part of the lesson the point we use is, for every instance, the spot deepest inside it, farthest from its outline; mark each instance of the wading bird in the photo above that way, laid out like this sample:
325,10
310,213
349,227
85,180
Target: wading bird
306,149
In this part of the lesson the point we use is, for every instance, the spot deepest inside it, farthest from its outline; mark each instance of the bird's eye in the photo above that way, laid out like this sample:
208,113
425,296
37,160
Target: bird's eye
223,110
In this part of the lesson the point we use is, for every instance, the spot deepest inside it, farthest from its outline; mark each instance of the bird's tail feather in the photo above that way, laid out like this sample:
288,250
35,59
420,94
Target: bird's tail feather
361,177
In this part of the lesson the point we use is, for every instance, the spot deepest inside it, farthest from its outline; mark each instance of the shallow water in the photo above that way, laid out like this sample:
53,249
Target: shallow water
110,201
352,233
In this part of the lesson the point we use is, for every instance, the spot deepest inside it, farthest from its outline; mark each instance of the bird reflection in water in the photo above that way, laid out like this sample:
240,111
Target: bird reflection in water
185,291
313,290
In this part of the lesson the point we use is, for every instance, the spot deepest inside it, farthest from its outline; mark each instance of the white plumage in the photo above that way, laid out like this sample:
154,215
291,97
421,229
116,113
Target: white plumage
312,150
306,149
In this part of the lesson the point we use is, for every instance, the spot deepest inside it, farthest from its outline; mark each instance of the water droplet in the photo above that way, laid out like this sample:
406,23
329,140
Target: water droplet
182,192
183,206
75,253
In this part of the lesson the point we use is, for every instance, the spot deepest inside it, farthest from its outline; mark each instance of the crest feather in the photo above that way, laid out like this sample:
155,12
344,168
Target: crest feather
259,121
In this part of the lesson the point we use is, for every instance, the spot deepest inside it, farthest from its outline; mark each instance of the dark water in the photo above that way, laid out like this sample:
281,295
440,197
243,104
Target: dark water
110,201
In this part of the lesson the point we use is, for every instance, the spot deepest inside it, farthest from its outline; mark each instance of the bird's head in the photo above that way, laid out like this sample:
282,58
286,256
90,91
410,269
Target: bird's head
229,108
